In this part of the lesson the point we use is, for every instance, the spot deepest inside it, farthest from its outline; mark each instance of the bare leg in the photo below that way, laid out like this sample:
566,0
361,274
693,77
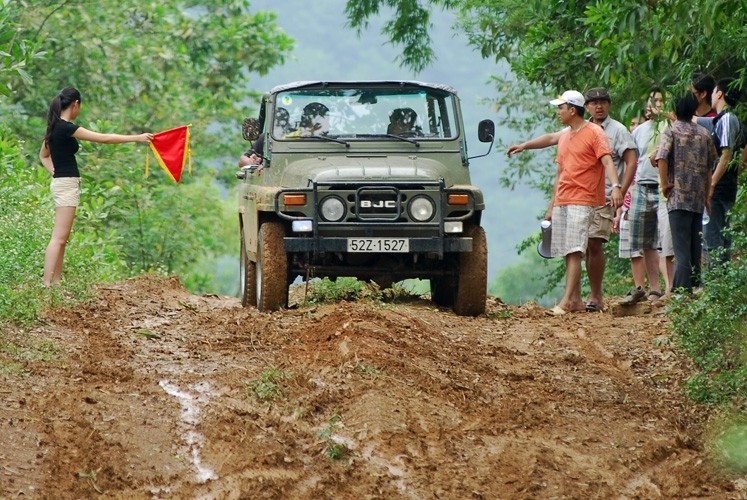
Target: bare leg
571,300
55,254
638,268
651,256
666,268
595,269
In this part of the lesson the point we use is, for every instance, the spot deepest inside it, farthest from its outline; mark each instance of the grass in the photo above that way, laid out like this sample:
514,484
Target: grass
325,291
334,449
15,350
370,370
268,387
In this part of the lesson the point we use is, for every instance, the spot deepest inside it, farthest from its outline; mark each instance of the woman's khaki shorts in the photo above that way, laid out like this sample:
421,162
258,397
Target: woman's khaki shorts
66,191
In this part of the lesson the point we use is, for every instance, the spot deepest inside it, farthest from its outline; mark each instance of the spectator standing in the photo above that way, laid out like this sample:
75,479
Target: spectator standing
702,87
623,155
584,154
643,222
684,157
723,188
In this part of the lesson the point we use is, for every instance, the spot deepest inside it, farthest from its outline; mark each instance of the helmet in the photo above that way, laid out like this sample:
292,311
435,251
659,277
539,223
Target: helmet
315,109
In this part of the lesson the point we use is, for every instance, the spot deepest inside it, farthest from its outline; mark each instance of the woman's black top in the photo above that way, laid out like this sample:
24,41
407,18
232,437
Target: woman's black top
62,147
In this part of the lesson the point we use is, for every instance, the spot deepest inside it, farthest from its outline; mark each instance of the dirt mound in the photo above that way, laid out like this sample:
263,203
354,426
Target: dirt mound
157,393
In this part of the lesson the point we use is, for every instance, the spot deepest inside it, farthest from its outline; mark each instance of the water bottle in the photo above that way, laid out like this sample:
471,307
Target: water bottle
545,243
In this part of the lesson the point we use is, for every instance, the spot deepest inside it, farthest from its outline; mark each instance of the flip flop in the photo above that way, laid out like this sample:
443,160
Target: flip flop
593,307
558,311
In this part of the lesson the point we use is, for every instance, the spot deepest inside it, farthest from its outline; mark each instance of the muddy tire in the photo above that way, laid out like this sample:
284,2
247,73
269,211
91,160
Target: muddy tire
272,268
472,282
247,277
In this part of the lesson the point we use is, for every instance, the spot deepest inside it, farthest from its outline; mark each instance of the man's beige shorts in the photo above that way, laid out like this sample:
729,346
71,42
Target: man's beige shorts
66,191
601,222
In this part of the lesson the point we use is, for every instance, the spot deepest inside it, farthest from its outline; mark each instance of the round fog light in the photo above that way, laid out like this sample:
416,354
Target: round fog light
421,209
332,209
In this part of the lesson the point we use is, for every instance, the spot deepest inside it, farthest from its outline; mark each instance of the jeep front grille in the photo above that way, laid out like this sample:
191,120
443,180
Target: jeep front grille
378,204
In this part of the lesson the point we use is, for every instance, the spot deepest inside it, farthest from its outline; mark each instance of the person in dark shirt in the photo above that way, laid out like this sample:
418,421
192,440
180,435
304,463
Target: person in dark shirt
57,155
685,156
254,155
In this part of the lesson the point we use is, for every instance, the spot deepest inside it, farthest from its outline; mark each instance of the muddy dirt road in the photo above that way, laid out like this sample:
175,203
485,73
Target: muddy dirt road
156,393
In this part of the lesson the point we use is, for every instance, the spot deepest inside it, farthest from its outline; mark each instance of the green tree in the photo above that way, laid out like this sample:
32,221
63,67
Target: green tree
15,51
627,46
146,65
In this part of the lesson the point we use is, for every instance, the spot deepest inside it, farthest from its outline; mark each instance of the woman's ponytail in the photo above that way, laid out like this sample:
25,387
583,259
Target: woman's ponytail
61,101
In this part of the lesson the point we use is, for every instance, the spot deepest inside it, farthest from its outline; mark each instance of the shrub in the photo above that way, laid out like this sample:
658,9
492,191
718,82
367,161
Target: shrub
25,227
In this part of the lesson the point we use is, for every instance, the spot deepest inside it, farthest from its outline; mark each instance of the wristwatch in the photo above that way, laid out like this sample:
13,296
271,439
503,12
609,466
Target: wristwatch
618,185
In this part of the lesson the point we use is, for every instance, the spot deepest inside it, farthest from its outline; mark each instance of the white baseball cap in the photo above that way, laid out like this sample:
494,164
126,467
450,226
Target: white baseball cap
573,97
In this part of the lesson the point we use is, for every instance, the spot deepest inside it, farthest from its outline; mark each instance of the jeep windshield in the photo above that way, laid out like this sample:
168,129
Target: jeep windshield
373,113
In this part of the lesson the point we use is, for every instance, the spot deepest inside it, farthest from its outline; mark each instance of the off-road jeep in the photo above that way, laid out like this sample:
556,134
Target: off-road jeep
362,179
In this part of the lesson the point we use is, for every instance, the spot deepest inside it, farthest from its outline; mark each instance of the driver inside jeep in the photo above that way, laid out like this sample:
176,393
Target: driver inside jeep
402,122
314,121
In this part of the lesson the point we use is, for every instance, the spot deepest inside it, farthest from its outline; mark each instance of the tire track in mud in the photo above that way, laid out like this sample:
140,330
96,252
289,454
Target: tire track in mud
422,403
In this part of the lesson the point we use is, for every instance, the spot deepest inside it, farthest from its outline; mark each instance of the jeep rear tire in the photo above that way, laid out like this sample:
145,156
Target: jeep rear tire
472,282
248,276
272,268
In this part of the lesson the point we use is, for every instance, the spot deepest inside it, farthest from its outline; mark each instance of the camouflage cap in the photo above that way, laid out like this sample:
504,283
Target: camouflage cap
597,94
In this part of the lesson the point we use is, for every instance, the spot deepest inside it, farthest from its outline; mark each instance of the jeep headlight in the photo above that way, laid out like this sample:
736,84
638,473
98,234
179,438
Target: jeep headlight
421,209
332,209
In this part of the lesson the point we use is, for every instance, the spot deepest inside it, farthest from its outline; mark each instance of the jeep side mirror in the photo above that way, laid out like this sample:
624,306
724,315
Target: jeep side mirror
250,129
486,131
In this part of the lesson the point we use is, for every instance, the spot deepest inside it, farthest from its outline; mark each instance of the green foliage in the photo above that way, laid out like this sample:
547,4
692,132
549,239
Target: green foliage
334,448
25,228
15,51
712,329
730,444
324,290
269,385
140,66
408,29
627,45
46,351
531,279
152,65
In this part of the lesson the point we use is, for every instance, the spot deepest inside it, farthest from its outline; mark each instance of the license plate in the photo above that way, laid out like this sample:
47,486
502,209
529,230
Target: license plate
378,245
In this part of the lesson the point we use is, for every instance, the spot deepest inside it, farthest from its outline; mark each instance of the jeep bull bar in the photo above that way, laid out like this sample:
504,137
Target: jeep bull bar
377,210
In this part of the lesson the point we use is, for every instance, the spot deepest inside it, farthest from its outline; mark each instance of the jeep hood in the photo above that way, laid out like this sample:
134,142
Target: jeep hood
404,168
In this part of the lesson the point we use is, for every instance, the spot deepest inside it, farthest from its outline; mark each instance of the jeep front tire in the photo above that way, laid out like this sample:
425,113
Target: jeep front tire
272,268
472,282
247,275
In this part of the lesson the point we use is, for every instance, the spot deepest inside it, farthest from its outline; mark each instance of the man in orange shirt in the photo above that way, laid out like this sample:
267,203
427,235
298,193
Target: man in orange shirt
584,155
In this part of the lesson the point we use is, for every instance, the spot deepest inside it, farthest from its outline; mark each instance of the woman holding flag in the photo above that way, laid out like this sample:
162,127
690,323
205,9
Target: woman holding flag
57,154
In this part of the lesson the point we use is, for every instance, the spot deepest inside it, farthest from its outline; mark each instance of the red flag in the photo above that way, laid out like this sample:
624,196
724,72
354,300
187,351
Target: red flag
171,148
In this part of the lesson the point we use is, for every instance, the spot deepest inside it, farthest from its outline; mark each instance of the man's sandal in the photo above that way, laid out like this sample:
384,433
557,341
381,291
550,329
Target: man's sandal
653,295
634,296
593,307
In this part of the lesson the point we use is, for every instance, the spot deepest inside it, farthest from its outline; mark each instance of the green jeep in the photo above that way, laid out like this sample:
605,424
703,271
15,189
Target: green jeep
362,179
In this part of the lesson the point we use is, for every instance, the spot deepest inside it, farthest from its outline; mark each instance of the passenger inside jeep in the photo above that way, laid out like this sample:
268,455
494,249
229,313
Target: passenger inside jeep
402,122
281,125
314,121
